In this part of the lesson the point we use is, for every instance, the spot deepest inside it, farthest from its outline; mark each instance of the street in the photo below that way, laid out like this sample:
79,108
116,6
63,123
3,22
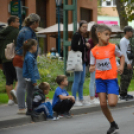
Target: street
93,123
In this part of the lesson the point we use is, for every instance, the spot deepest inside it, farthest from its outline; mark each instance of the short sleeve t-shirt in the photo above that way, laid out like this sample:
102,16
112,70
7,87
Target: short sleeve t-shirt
58,92
104,59
125,48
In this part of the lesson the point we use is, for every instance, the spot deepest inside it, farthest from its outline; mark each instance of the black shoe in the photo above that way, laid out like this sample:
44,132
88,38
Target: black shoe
129,96
123,97
113,129
67,114
32,113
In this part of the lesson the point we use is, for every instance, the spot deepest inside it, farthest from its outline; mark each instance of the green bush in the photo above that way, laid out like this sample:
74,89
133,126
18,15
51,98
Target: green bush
49,69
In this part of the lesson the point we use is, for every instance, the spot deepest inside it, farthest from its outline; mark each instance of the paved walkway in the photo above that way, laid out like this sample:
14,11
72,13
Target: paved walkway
9,116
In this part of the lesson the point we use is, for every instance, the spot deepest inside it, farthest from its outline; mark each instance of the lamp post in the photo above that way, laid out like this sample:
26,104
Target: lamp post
58,4
19,13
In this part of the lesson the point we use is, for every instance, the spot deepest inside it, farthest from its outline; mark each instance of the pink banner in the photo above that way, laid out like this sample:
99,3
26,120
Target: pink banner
108,22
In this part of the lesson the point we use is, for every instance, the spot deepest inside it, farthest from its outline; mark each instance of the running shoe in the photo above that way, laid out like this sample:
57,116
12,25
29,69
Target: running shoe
113,129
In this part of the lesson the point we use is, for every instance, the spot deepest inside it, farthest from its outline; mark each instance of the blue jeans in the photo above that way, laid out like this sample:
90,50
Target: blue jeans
79,78
92,84
45,107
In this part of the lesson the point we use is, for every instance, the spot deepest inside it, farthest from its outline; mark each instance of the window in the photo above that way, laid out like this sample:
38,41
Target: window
86,14
114,2
108,3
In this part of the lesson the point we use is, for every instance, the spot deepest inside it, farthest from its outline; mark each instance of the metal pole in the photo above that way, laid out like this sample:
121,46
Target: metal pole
59,30
19,13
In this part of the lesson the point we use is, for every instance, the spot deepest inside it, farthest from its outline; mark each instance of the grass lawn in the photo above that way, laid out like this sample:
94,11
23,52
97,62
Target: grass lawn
4,98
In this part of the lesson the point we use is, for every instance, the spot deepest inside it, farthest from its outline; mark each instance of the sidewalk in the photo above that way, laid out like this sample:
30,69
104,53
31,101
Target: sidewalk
10,118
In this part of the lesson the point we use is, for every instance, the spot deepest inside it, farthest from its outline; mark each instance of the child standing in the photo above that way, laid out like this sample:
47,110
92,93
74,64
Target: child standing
103,61
30,72
92,41
39,104
62,101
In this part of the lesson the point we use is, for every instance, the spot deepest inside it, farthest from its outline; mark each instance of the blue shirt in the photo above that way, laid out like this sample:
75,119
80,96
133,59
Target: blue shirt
58,92
30,69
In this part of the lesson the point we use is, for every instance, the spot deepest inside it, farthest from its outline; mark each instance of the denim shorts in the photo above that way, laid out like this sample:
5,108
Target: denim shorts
109,86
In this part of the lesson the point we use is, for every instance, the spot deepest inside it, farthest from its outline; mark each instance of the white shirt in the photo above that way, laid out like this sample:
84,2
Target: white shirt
125,47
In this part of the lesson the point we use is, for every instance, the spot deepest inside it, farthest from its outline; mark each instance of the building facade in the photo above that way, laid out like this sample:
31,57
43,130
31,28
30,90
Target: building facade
107,13
86,9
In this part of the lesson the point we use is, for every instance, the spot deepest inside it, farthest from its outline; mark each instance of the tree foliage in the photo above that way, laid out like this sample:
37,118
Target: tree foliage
125,10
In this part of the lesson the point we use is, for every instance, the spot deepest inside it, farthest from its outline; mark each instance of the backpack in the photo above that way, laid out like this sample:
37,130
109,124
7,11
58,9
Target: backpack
10,51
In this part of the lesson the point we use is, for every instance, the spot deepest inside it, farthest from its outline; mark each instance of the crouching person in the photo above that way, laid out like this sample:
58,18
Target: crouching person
39,104
62,101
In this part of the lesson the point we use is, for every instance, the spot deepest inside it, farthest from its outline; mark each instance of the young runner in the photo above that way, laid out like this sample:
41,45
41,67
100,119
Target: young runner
103,61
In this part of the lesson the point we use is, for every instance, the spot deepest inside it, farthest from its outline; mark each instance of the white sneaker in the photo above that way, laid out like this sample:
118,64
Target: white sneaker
94,101
86,103
59,117
55,118
13,93
21,111
10,102
78,104
25,105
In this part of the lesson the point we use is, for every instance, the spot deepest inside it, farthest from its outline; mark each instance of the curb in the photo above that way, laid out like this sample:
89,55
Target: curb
17,120
85,110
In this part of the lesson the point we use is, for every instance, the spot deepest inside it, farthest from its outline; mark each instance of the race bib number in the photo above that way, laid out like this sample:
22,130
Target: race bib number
103,65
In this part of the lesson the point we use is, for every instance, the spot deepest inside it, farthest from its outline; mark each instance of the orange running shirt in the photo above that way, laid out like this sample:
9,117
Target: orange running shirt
104,59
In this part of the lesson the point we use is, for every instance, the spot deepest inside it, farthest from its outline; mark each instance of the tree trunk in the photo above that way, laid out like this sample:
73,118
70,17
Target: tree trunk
122,13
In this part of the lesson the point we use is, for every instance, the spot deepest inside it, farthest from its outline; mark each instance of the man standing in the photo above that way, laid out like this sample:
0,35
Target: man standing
7,36
126,77
1,27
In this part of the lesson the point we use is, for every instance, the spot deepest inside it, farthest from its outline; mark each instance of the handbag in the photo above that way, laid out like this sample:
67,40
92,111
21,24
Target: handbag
130,55
74,62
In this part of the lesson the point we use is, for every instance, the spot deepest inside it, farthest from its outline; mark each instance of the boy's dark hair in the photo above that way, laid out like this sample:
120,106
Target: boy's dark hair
60,79
128,29
44,86
12,19
27,45
101,28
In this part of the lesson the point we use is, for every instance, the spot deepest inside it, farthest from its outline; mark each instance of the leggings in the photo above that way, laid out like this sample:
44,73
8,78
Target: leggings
29,90
21,88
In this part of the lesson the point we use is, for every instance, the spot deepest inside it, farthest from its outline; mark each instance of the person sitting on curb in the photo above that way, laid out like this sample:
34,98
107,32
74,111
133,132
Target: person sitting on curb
62,101
39,104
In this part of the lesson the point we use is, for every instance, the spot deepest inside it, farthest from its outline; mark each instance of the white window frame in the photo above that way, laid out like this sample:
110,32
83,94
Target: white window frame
104,3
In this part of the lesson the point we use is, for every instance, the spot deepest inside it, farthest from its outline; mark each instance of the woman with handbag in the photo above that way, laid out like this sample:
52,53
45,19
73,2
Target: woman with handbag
27,32
79,44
